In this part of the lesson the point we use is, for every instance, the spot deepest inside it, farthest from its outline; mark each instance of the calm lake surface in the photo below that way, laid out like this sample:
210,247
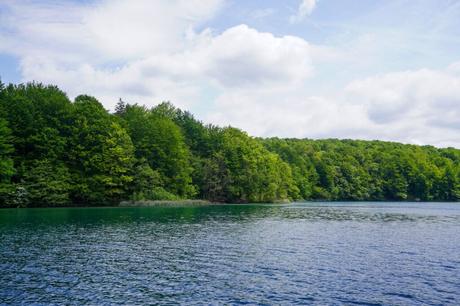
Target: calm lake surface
302,253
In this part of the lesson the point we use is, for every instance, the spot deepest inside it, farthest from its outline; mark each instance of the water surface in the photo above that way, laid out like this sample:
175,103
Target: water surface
303,253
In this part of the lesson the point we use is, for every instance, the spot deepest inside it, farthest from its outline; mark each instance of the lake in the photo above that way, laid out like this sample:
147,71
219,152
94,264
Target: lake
302,253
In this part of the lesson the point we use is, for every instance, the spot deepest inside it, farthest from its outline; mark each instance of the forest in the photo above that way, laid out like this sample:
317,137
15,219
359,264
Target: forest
58,152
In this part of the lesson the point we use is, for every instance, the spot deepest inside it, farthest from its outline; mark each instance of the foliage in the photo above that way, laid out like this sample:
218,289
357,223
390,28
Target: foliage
101,154
370,170
6,149
160,142
55,152
45,184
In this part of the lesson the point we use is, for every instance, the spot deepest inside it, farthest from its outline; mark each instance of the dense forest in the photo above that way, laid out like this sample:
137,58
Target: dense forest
57,152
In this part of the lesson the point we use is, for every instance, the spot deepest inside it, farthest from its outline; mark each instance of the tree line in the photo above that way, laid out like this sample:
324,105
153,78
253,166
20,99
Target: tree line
57,152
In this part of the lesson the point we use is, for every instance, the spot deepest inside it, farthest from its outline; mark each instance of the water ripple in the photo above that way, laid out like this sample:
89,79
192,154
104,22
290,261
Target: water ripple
312,253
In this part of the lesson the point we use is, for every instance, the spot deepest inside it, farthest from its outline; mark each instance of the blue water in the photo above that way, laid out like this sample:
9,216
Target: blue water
303,253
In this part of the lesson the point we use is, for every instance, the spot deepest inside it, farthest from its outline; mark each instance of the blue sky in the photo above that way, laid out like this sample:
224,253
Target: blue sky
381,69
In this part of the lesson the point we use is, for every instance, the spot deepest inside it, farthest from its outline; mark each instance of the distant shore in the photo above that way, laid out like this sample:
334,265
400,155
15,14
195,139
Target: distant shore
195,203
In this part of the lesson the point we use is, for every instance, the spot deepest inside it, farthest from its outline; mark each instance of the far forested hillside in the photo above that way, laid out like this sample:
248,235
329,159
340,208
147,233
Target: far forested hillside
56,152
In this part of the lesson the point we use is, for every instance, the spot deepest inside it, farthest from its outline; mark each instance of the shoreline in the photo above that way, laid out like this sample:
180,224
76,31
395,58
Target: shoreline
198,203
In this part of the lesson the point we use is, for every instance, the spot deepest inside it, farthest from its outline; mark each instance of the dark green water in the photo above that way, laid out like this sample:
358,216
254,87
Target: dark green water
306,253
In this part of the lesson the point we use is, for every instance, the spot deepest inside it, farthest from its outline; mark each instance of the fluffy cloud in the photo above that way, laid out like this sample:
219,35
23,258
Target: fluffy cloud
285,113
101,47
243,77
306,7
147,51
239,57
420,107
103,30
242,57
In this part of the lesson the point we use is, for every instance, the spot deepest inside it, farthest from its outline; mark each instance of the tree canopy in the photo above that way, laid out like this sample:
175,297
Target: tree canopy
55,152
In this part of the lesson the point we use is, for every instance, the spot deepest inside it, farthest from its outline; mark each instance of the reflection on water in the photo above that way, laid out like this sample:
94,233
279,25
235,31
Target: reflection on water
323,253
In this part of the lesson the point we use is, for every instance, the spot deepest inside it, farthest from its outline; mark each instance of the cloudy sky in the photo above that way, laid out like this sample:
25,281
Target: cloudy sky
368,69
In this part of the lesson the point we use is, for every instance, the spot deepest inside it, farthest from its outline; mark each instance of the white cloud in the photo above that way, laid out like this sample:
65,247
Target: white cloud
244,57
131,29
102,30
420,107
306,7
101,47
250,79
285,113
147,52
240,57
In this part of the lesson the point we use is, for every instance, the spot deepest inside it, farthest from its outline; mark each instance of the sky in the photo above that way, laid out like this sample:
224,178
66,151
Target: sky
368,69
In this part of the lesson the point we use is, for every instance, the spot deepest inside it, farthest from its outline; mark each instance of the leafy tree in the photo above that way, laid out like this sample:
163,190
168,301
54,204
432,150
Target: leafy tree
147,182
39,117
6,150
46,184
6,163
251,173
159,141
55,152
101,154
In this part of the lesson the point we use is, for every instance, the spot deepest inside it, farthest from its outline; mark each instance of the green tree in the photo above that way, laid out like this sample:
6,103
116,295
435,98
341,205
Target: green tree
252,173
6,151
161,143
46,184
54,152
101,154
6,163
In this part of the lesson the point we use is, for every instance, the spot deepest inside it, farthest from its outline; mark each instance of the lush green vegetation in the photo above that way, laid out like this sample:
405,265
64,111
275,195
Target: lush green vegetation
370,170
54,152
